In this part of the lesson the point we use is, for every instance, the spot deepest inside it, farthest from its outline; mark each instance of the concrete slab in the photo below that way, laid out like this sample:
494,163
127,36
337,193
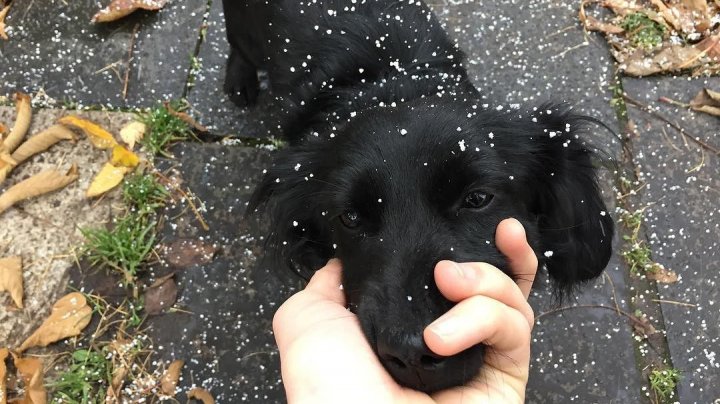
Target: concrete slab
53,46
681,192
44,230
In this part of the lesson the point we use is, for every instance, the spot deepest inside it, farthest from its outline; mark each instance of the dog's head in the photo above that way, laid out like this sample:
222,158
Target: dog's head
396,190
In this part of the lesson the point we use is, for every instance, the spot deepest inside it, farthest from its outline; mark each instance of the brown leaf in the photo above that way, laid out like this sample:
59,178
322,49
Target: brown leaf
169,380
122,359
31,372
108,178
642,326
202,395
670,58
41,142
40,184
161,295
184,253
69,316
661,274
22,122
185,118
4,353
3,14
707,101
132,133
593,24
11,279
121,8
98,136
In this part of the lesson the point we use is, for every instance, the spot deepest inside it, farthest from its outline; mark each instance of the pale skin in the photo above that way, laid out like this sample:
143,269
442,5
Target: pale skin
325,357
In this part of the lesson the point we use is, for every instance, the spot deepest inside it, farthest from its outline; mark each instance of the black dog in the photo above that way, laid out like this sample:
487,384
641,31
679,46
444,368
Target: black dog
394,164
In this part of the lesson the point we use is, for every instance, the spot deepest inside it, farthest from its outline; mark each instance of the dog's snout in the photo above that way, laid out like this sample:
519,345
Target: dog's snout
408,359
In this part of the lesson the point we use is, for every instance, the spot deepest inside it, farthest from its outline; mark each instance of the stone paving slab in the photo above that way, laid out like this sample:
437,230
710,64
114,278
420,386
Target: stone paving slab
54,47
682,191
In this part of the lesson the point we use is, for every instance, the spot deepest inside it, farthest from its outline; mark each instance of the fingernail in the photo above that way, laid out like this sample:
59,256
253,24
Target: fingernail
444,327
465,271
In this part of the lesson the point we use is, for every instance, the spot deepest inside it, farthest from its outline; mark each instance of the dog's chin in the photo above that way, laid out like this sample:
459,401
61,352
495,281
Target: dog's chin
444,373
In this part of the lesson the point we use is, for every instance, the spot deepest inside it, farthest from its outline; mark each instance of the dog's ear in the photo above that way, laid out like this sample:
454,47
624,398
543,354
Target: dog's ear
290,197
576,231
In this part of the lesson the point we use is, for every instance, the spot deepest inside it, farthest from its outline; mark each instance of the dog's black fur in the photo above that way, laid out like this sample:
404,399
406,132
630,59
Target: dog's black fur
394,164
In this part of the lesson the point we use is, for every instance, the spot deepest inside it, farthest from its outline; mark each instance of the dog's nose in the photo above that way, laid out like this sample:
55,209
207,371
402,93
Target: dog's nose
404,357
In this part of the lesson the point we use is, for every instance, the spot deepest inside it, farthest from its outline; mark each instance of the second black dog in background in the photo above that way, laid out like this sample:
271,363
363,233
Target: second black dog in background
397,162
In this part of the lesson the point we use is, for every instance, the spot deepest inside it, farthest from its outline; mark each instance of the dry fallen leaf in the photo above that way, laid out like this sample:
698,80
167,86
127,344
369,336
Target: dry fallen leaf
169,380
707,101
3,14
31,372
202,395
22,123
69,316
4,353
11,279
121,8
187,252
41,142
593,24
133,133
124,157
185,118
661,274
40,184
122,359
160,295
108,178
642,326
98,136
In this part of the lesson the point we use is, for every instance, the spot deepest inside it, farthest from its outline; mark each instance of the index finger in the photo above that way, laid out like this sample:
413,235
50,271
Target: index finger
511,240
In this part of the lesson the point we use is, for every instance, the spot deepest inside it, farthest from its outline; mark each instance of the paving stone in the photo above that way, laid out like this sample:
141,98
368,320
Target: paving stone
681,193
54,47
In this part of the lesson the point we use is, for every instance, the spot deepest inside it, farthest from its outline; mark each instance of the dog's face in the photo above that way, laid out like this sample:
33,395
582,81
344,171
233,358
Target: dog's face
396,190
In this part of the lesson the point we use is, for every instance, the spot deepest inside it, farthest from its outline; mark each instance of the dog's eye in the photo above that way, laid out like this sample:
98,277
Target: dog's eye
477,200
350,219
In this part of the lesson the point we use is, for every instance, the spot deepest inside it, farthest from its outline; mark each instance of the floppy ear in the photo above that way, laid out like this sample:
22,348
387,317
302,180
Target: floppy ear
290,196
575,228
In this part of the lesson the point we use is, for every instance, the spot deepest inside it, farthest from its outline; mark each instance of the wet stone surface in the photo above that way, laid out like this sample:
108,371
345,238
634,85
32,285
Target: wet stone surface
223,331
54,47
683,224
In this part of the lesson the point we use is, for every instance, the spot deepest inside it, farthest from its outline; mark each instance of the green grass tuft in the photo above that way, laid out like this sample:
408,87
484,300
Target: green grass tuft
143,192
642,31
663,382
85,381
164,129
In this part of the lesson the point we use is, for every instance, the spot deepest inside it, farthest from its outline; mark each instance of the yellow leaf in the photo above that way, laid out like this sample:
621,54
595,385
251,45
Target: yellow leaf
202,395
132,133
124,157
108,178
169,380
69,316
120,8
11,279
22,122
98,136
31,371
4,353
40,184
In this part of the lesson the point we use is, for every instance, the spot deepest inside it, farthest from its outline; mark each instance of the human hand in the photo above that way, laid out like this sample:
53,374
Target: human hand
326,358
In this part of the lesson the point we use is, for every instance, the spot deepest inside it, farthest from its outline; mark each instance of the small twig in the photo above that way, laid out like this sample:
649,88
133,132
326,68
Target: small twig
674,302
670,101
129,61
682,131
612,286
592,306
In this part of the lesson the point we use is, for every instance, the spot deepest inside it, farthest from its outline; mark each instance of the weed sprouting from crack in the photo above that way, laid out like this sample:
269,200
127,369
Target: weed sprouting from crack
143,192
86,380
164,128
663,383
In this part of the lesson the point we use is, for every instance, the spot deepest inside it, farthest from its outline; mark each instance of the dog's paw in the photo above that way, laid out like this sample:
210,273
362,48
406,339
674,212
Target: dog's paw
241,81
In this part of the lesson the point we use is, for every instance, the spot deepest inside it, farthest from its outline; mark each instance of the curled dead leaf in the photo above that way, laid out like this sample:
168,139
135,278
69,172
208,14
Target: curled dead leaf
22,123
41,142
161,295
40,184
124,157
98,136
593,24
133,133
31,372
185,118
3,14
707,101
169,380
11,279
201,394
4,353
69,316
108,178
661,274
122,360
642,326
118,9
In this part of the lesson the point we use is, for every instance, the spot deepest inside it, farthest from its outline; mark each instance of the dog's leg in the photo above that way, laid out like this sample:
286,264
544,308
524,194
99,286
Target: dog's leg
241,81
